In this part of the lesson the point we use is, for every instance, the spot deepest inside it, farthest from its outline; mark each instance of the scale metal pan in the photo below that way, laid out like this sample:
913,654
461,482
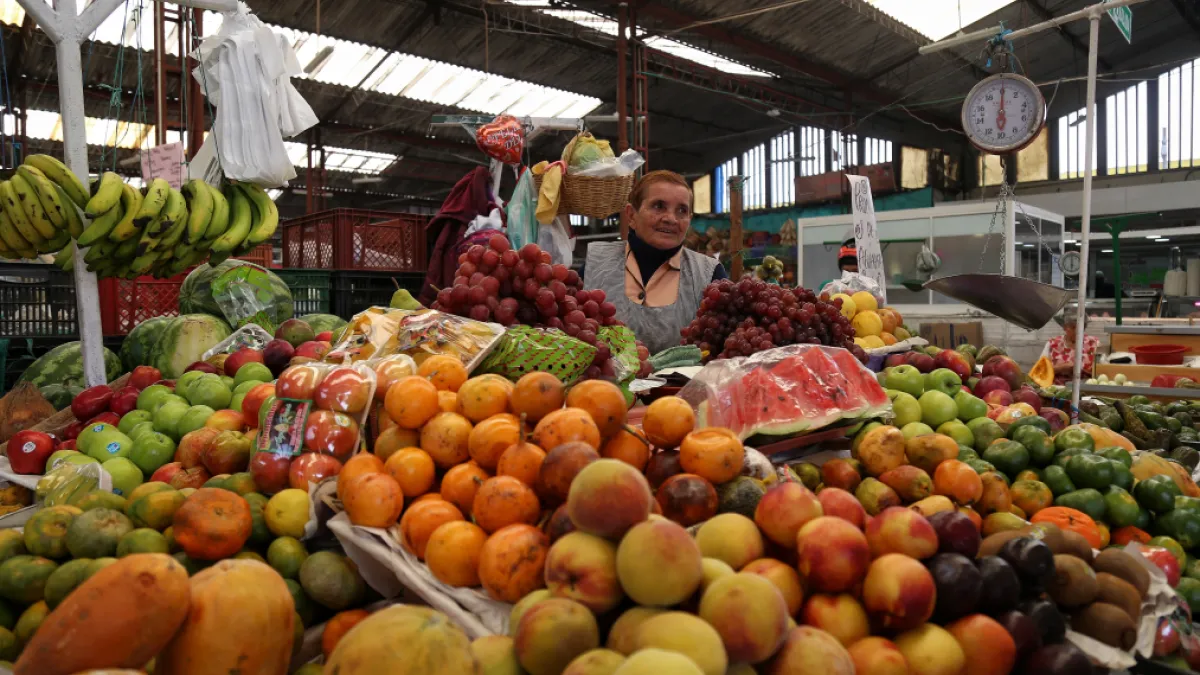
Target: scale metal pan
1028,304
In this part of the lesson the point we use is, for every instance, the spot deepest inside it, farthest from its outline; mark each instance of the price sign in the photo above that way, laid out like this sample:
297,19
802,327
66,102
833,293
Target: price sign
866,234
165,162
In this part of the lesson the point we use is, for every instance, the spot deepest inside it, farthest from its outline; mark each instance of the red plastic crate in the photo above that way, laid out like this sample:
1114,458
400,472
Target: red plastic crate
124,303
355,239
262,255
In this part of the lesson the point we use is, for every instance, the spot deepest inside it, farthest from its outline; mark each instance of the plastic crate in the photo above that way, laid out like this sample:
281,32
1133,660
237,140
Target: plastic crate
37,300
354,291
262,255
310,290
355,239
124,303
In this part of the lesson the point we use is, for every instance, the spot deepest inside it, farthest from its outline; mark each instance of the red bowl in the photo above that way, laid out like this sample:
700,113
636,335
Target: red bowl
1159,355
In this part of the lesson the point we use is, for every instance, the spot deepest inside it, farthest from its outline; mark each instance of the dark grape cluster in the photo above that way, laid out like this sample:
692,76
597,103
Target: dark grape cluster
740,318
497,283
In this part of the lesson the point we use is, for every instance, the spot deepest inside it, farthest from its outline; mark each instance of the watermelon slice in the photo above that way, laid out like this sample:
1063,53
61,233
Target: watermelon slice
764,405
863,381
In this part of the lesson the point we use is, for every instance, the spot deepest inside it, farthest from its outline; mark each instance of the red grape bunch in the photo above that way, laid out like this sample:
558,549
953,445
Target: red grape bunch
497,283
748,316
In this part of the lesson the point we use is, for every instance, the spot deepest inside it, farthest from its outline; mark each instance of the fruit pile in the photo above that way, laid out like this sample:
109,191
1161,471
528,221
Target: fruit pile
874,326
496,283
748,316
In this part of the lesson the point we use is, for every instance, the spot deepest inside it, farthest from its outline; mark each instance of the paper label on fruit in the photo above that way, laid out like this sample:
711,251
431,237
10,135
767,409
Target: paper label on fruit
28,447
283,427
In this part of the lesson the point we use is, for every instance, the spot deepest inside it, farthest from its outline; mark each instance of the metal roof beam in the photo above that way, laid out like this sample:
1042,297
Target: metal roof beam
1077,44
1189,12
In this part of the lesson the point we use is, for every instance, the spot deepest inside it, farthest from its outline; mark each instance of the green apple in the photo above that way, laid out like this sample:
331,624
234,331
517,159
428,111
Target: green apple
985,431
936,408
958,431
881,378
211,392
193,419
60,456
236,403
246,386
970,407
152,450
141,428
166,418
169,398
907,379
151,395
106,444
906,408
252,372
132,419
944,380
79,459
184,384
913,429
125,475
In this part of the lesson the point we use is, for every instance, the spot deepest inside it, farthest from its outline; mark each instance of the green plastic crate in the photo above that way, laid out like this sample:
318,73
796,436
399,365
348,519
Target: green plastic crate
310,290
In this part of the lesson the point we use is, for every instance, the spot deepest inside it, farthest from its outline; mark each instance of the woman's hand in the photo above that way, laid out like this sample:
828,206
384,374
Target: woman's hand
1064,368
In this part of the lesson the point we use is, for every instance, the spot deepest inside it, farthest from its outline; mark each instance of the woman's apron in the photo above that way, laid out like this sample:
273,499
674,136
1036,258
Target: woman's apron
657,327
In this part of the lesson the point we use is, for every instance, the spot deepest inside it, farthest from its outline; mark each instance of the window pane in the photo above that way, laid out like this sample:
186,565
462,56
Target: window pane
989,169
1033,163
810,152
1072,146
783,169
914,168
1178,101
1126,131
754,188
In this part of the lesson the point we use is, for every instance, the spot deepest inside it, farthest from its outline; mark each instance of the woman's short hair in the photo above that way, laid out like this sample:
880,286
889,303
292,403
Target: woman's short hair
642,186
1072,315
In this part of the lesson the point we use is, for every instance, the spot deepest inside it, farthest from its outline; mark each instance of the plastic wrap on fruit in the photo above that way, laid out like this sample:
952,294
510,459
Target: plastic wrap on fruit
318,408
381,331
786,391
246,295
251,335
390,369
525,349
69,482
851,283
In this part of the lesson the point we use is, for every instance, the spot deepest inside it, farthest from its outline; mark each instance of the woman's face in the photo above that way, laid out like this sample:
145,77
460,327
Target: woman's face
1069,329
664,217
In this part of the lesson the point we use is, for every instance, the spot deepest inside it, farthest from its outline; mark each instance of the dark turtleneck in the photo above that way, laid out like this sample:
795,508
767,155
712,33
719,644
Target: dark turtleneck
649,258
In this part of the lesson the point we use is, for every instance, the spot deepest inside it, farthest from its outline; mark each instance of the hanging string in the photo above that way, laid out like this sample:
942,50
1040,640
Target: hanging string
114,99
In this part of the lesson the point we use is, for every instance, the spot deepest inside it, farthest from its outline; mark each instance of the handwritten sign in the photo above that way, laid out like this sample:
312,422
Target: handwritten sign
866,235
164,161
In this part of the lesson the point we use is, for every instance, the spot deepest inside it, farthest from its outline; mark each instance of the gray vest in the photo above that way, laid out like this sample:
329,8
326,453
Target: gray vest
657,327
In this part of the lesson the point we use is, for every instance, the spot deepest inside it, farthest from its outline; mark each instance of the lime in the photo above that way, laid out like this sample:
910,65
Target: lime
286,554
253,372
152,450
125,475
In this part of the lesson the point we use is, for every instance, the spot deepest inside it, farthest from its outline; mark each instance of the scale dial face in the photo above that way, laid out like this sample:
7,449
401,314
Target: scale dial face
1003,113
1069,263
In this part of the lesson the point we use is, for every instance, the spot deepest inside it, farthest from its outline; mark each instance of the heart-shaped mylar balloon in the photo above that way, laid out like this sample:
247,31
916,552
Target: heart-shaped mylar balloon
503,138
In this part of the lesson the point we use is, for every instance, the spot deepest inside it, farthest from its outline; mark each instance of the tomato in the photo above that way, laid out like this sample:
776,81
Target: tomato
312,467
270,471
298,383
330,433
144,376
1166,638
1165,560
344,390
124,400
91,402
28,451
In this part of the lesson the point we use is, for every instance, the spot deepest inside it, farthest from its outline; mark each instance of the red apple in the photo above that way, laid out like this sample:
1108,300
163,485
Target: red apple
109,417
1057,418
91,401
228,452
948,358
124,400
193,445
270,471
1006,369
71,431
897,359
331,433
299,383
276,355
65,445
922,362
166,472
312,467
252,403
1165,561
344,390
998,397
28,451
240,358
1026,394
144,376
313,349
202,366
990,383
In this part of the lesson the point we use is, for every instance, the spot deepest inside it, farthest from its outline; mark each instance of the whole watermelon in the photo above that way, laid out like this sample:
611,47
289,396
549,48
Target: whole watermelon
60,395
185,340
64,365
323,322
135,349
195,295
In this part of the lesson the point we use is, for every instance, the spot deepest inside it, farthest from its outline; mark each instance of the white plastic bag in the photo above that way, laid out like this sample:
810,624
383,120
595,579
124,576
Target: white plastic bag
851,283
626,164
522,218
553,239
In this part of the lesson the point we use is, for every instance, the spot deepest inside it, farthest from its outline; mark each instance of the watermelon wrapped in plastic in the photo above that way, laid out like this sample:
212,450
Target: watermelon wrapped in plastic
786,391
524,349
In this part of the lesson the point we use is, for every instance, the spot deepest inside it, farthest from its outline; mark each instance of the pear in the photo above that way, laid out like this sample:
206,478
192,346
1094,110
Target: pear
402,299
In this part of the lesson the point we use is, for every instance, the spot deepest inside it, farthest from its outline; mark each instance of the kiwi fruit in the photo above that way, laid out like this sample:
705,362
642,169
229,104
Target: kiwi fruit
1106,623
1075,544
1049,533
1117,591
1073,583
1123,566
992,543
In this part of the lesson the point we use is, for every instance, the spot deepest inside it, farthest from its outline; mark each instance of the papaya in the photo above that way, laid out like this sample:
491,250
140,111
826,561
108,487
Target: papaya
233,597
1042,372
119,618
402,640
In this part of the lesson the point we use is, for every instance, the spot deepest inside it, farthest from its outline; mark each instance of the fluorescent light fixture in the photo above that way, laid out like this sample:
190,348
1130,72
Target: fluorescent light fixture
365,180
1107,250
1154,236
1161,240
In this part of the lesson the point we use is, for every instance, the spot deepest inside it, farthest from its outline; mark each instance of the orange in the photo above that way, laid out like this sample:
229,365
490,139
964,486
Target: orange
448,401
420,521
446,372
460,484
536,395
491,437
358,465
339,625
413,470
373,500
602,400
453,553
411,402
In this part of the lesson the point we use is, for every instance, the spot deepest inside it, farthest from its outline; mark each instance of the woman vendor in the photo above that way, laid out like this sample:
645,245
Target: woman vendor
1061,348
654,281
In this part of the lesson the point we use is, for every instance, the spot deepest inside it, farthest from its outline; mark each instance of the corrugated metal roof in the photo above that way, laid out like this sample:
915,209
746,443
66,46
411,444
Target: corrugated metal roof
936,19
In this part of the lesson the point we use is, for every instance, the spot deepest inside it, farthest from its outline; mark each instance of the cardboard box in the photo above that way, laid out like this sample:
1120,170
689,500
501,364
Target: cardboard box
951,335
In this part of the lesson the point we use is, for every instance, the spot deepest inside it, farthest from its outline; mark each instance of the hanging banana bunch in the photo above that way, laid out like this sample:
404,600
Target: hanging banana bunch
124,232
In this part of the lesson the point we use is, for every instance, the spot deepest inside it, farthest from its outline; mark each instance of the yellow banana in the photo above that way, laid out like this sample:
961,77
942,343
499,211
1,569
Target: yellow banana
153,201
220,216
131,202
12,206
13,239
102,225
32,206
168,215
46,193
62,176
108,193
268,213
6,252
239,222
70,212
200,209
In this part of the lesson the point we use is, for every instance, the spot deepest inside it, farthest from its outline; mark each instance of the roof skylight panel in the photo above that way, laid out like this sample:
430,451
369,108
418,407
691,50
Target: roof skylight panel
937,19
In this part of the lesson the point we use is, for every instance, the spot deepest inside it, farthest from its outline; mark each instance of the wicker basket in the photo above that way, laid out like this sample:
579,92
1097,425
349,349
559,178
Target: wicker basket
592,196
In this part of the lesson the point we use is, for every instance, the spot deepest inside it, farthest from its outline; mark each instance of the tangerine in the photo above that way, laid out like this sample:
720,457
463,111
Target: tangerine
602,400
373,500
357,465
411,402
536,395
714,454
421,519
446,372
481,397
491,437
413,470
339,625
522,461
429,497
513,561
383,421
667,421
628,445
460,484
453,553
503,501
395,438
565,426
448,401
445,439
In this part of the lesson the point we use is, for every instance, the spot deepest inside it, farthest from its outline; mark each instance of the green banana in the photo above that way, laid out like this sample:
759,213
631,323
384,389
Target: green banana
13,239
153,201
239,222
268,213
220,216
100,251
47,194
16,215
200,209
56,244
131,202
102,225
65,260
6,252
62,176
70,212
32,206
108,193
127,250
143,263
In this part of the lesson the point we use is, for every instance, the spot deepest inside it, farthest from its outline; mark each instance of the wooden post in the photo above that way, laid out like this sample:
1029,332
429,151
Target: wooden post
735,227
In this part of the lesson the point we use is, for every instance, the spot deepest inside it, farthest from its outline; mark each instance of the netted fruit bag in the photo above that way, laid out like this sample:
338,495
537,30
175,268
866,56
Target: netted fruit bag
524,349
380,331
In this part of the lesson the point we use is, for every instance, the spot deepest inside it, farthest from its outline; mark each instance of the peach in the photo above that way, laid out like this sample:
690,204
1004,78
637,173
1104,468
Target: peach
732,538
784,509
784,577
810,651
607,497
749,613
595,662
899,593
658,662
658,563
523,605
622,637
901,530
881,450
713,569
686,634
877,656
842,616
190,450
840,473
552,633
841,504
931,650
583,568
911,483
832,554
989,648
226,420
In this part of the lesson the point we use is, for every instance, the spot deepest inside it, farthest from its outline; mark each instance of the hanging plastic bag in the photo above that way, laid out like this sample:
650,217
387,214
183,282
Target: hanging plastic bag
522,217
554,239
